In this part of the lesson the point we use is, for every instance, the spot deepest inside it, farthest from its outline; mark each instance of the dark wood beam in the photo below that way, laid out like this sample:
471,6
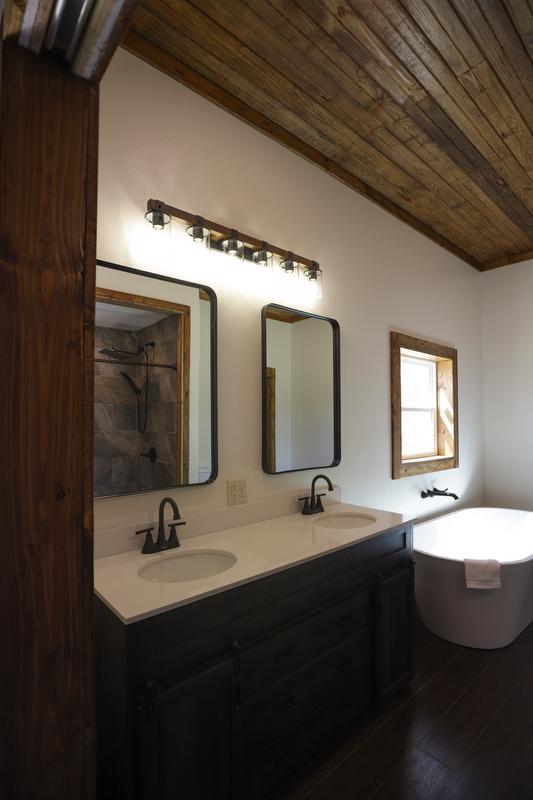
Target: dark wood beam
48,168
181,72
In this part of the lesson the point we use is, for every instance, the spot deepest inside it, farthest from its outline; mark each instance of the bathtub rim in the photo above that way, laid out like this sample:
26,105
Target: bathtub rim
458,511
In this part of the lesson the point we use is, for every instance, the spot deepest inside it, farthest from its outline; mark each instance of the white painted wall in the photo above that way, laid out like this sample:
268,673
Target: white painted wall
508,385
158,139
312,392
279,357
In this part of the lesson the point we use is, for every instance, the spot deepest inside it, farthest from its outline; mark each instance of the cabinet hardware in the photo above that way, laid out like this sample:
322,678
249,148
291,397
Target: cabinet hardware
345,620
345,665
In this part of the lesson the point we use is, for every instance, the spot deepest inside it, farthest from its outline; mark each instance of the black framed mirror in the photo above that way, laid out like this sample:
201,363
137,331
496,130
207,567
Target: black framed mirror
155,404
301,390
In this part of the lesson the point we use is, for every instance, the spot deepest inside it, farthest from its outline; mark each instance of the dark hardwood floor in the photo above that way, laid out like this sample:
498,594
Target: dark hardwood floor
462,731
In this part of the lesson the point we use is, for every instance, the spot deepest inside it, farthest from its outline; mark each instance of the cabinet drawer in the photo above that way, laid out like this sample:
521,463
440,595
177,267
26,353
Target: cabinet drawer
286,726
290,649
342,672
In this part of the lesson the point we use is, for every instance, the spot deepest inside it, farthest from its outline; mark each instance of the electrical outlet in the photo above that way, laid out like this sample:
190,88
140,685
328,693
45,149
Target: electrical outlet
237,492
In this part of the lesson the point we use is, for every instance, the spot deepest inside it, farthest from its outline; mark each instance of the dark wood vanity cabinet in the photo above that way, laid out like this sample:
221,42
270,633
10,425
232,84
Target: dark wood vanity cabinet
185,735
226,697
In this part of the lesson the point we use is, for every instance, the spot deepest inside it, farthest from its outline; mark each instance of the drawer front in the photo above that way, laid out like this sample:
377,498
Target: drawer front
286,726
339,674
277,656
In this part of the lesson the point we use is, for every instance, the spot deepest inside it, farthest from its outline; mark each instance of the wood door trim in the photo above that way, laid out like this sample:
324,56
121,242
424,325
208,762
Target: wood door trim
138,300
271,416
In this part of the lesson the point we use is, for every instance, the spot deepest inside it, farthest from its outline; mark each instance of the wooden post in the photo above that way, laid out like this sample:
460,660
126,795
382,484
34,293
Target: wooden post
48,166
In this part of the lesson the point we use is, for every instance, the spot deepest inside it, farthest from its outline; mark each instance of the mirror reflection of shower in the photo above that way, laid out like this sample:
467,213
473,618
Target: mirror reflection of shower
153,376
123,356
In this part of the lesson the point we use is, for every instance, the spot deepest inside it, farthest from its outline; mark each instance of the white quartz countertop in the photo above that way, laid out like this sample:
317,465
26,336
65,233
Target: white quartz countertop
261,548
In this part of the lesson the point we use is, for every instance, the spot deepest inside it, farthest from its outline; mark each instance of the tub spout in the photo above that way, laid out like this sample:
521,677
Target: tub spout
438,493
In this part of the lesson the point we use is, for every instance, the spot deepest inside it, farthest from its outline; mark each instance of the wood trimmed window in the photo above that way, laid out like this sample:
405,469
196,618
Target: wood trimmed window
424,407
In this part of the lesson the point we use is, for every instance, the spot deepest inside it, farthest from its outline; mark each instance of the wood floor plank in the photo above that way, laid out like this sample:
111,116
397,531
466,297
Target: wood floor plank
421,776
461,727
436,655
494,769
375,757
462,731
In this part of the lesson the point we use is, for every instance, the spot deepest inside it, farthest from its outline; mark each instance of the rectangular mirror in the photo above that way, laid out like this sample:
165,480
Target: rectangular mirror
301,390
155,403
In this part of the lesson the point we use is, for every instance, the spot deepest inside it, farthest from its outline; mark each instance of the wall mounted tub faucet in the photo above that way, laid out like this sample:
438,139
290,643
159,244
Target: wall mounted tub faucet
438,493
313,504
162,542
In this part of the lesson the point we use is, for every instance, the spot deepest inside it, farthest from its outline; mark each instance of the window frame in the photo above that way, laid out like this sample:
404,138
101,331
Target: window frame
446,359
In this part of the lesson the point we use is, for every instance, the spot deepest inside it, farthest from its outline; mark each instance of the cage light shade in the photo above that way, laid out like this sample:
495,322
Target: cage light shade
313,271
262,255
289,265
233,245
157,219
198,232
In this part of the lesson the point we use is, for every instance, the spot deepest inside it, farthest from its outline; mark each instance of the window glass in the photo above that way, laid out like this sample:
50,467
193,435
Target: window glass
419,407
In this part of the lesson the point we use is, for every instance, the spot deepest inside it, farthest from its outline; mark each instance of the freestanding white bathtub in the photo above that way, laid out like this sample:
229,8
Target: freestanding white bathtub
484,618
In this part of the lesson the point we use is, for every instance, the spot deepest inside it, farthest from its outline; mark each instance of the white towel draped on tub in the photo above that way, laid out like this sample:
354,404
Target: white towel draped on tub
482,574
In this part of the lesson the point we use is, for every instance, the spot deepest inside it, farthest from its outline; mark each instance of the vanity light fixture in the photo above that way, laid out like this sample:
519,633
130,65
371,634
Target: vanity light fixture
262,255
228,240
157,219
233,245
198,232
313,271
289,265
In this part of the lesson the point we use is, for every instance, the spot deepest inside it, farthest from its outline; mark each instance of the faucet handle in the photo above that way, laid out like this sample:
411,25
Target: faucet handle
149,545
173,540
305,509
318,505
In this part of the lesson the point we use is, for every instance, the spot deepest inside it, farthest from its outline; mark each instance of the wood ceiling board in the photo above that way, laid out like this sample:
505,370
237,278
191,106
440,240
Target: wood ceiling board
293,64
181,72
407,192
423,106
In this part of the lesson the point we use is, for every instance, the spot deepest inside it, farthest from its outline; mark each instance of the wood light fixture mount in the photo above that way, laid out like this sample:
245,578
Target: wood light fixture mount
229,240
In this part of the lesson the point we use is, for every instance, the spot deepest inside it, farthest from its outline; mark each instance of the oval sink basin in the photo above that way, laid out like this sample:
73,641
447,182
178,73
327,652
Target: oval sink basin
345,521
191,566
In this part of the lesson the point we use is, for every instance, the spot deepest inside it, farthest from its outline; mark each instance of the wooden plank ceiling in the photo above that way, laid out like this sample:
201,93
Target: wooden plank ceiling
423,106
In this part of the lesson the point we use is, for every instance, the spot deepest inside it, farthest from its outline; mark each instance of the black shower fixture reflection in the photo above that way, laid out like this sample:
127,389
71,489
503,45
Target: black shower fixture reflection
114,355
123,356
133,386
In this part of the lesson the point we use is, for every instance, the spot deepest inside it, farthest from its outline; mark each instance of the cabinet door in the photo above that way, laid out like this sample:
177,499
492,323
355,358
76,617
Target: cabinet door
186,737
395,639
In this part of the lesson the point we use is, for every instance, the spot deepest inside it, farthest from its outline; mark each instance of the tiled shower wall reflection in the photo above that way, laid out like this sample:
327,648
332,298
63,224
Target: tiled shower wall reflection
121,460
161,427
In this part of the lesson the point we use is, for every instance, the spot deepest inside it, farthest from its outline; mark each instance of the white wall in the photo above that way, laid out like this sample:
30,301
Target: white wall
312,392
161,140
279,357
508,385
